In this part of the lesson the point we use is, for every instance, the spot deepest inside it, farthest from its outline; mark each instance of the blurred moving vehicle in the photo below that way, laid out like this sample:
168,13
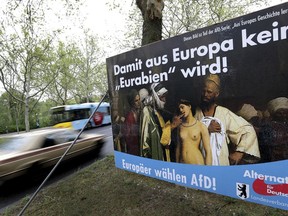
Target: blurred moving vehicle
27,152
75,116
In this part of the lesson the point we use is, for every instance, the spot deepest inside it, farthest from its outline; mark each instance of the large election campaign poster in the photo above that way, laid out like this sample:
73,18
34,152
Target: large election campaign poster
208,109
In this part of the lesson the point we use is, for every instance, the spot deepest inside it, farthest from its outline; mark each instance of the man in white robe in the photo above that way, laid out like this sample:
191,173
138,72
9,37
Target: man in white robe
238,132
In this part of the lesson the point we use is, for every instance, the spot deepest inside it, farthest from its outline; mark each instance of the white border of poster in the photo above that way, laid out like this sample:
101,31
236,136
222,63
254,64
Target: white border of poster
249,54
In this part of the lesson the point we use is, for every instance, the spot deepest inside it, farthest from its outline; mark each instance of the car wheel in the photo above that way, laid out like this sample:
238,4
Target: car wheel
99,144
34,169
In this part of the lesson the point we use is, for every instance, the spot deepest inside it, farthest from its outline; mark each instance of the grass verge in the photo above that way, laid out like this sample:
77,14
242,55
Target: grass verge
102,189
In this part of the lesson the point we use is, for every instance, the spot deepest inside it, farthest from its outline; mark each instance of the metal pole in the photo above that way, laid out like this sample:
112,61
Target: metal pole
62,157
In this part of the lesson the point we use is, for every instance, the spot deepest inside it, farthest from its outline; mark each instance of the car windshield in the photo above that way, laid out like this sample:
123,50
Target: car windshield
12,143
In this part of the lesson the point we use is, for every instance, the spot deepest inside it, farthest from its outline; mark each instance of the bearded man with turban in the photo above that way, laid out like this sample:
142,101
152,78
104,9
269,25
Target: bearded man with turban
226,128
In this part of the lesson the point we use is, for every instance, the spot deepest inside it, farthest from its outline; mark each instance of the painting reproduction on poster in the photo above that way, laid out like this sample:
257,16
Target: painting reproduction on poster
208,109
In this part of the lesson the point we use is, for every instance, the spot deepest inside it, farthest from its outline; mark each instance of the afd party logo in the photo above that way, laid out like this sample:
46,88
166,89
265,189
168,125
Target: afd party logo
280,189
242,190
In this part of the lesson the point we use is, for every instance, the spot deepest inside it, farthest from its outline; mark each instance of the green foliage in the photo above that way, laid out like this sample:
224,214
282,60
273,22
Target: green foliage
91,77
27,58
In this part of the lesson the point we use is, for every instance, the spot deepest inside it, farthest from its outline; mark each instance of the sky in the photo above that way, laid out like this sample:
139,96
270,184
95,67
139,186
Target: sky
97,16
104,20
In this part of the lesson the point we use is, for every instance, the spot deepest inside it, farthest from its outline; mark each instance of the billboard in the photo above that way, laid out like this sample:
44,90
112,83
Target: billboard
208,109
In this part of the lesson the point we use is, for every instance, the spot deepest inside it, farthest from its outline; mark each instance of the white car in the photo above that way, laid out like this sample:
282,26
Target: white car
24,152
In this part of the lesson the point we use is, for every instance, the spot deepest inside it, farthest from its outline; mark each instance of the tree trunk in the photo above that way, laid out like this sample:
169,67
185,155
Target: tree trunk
27,124
152,20
26,102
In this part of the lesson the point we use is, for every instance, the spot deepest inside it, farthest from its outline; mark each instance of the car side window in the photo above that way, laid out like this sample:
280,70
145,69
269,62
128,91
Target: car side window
60,137
48,142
